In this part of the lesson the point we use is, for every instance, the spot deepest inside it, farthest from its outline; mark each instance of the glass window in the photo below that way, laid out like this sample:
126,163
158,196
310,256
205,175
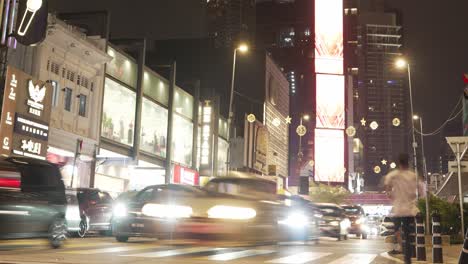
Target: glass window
183,103
55,93
222,156
153,128
222,128
122,68
119,112
182,140
68,99
156,87
82,109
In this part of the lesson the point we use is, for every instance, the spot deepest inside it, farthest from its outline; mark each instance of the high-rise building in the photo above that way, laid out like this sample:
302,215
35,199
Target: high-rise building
380,93
231,21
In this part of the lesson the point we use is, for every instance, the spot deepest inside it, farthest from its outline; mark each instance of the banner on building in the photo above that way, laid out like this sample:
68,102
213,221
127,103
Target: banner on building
24,128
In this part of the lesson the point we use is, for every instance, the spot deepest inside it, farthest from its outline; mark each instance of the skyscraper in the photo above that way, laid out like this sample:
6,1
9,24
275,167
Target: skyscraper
380,92
231,21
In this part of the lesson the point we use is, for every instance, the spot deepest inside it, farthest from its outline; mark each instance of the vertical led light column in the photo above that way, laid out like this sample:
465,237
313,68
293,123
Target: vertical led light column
330,92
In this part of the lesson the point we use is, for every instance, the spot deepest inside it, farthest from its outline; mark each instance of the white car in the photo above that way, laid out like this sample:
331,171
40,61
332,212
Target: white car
387,227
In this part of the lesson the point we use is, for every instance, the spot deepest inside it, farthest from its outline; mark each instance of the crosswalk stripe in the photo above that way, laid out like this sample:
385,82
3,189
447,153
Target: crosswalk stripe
239,254
355,259
300,258
175,252
113,249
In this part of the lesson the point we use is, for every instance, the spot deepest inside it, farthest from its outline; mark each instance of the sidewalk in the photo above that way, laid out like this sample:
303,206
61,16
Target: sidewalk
451,255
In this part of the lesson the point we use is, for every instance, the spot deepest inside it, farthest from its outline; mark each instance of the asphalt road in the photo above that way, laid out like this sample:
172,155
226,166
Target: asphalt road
107,250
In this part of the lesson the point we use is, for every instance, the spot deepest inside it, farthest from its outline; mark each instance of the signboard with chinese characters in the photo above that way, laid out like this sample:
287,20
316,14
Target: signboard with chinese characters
24,128
206,147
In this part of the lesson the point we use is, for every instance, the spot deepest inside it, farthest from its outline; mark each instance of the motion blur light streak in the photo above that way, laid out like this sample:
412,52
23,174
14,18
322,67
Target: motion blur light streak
167,210
231,212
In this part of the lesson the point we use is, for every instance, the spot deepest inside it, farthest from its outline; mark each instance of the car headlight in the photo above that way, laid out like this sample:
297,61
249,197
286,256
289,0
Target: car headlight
231,212
167,210
296,219
119,210
345,224
334,223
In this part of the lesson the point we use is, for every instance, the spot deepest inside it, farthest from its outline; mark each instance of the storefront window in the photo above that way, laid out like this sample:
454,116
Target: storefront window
119,113
122,68
156,87
183,103
222,128
182,141
153,128
222,156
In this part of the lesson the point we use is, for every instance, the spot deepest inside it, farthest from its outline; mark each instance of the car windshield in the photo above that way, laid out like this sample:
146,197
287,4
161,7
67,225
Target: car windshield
330,211
241,187
352,210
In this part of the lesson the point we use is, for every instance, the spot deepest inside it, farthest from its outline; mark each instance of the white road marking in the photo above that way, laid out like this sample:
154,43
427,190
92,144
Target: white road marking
355,259
112,249
175,252
387,256
300,258
239,254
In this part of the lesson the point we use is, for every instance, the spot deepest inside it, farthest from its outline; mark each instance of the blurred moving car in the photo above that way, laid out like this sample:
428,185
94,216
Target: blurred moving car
237,207
95,210
334,222
76,225
358,219
38,207
387,227
298,207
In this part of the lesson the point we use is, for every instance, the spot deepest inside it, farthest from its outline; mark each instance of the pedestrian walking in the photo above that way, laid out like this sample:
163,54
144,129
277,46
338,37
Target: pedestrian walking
401,186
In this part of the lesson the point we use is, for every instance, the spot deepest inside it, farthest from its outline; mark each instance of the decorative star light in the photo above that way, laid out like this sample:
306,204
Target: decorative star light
363,122
396,122
384,162
374,125
351,131
276,122
251,118
393,165
377,169
288,120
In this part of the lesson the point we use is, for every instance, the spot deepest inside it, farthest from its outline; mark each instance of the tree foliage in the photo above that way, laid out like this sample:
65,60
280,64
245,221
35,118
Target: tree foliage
322,193
449,212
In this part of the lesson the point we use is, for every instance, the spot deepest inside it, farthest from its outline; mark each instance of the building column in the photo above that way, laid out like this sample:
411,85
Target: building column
139,100
170,119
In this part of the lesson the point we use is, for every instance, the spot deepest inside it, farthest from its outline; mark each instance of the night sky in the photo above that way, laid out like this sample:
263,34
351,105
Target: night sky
435,41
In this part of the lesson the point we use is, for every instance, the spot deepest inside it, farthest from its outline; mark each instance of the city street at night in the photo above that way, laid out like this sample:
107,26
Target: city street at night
107,250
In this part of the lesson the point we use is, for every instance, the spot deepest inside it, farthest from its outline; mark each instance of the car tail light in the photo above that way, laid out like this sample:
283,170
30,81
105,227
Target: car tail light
10,183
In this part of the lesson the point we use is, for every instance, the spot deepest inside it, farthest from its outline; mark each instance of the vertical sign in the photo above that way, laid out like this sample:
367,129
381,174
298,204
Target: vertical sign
330,92
206,148
24,128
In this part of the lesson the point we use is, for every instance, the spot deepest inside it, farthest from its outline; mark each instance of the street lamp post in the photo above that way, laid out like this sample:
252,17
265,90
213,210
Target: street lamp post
426,176
242,48
300,154
401,64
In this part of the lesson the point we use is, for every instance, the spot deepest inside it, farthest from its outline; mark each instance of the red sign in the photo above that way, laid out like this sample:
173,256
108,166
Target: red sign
184,175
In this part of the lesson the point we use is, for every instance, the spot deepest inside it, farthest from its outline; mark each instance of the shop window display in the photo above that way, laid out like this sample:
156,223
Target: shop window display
182,140
119,113
153,128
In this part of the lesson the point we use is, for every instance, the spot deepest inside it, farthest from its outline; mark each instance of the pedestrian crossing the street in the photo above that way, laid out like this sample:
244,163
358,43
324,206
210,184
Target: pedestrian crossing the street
295,254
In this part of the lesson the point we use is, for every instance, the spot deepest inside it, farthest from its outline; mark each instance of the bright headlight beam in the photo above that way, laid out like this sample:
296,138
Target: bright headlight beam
231,212
119,210
167,210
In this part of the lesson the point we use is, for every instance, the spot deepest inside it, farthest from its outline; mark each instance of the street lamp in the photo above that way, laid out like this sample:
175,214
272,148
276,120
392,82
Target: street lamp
401,64
243,48
303,131
426,178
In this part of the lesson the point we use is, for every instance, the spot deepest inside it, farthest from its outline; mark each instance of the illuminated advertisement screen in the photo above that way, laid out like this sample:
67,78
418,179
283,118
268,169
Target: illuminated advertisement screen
329,158
330,101
329,36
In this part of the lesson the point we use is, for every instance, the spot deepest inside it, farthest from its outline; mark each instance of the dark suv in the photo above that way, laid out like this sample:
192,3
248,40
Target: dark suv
37,208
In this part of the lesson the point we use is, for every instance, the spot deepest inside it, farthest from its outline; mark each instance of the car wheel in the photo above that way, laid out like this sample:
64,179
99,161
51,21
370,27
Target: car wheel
364,236
83,228
122,238
57,232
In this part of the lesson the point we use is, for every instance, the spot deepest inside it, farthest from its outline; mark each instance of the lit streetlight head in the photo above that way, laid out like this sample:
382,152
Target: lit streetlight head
415,117
306,117
401,63
243,48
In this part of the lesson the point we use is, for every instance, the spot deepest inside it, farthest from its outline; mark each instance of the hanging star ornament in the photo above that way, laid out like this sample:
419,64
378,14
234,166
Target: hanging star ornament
384,162
363,122
288,120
